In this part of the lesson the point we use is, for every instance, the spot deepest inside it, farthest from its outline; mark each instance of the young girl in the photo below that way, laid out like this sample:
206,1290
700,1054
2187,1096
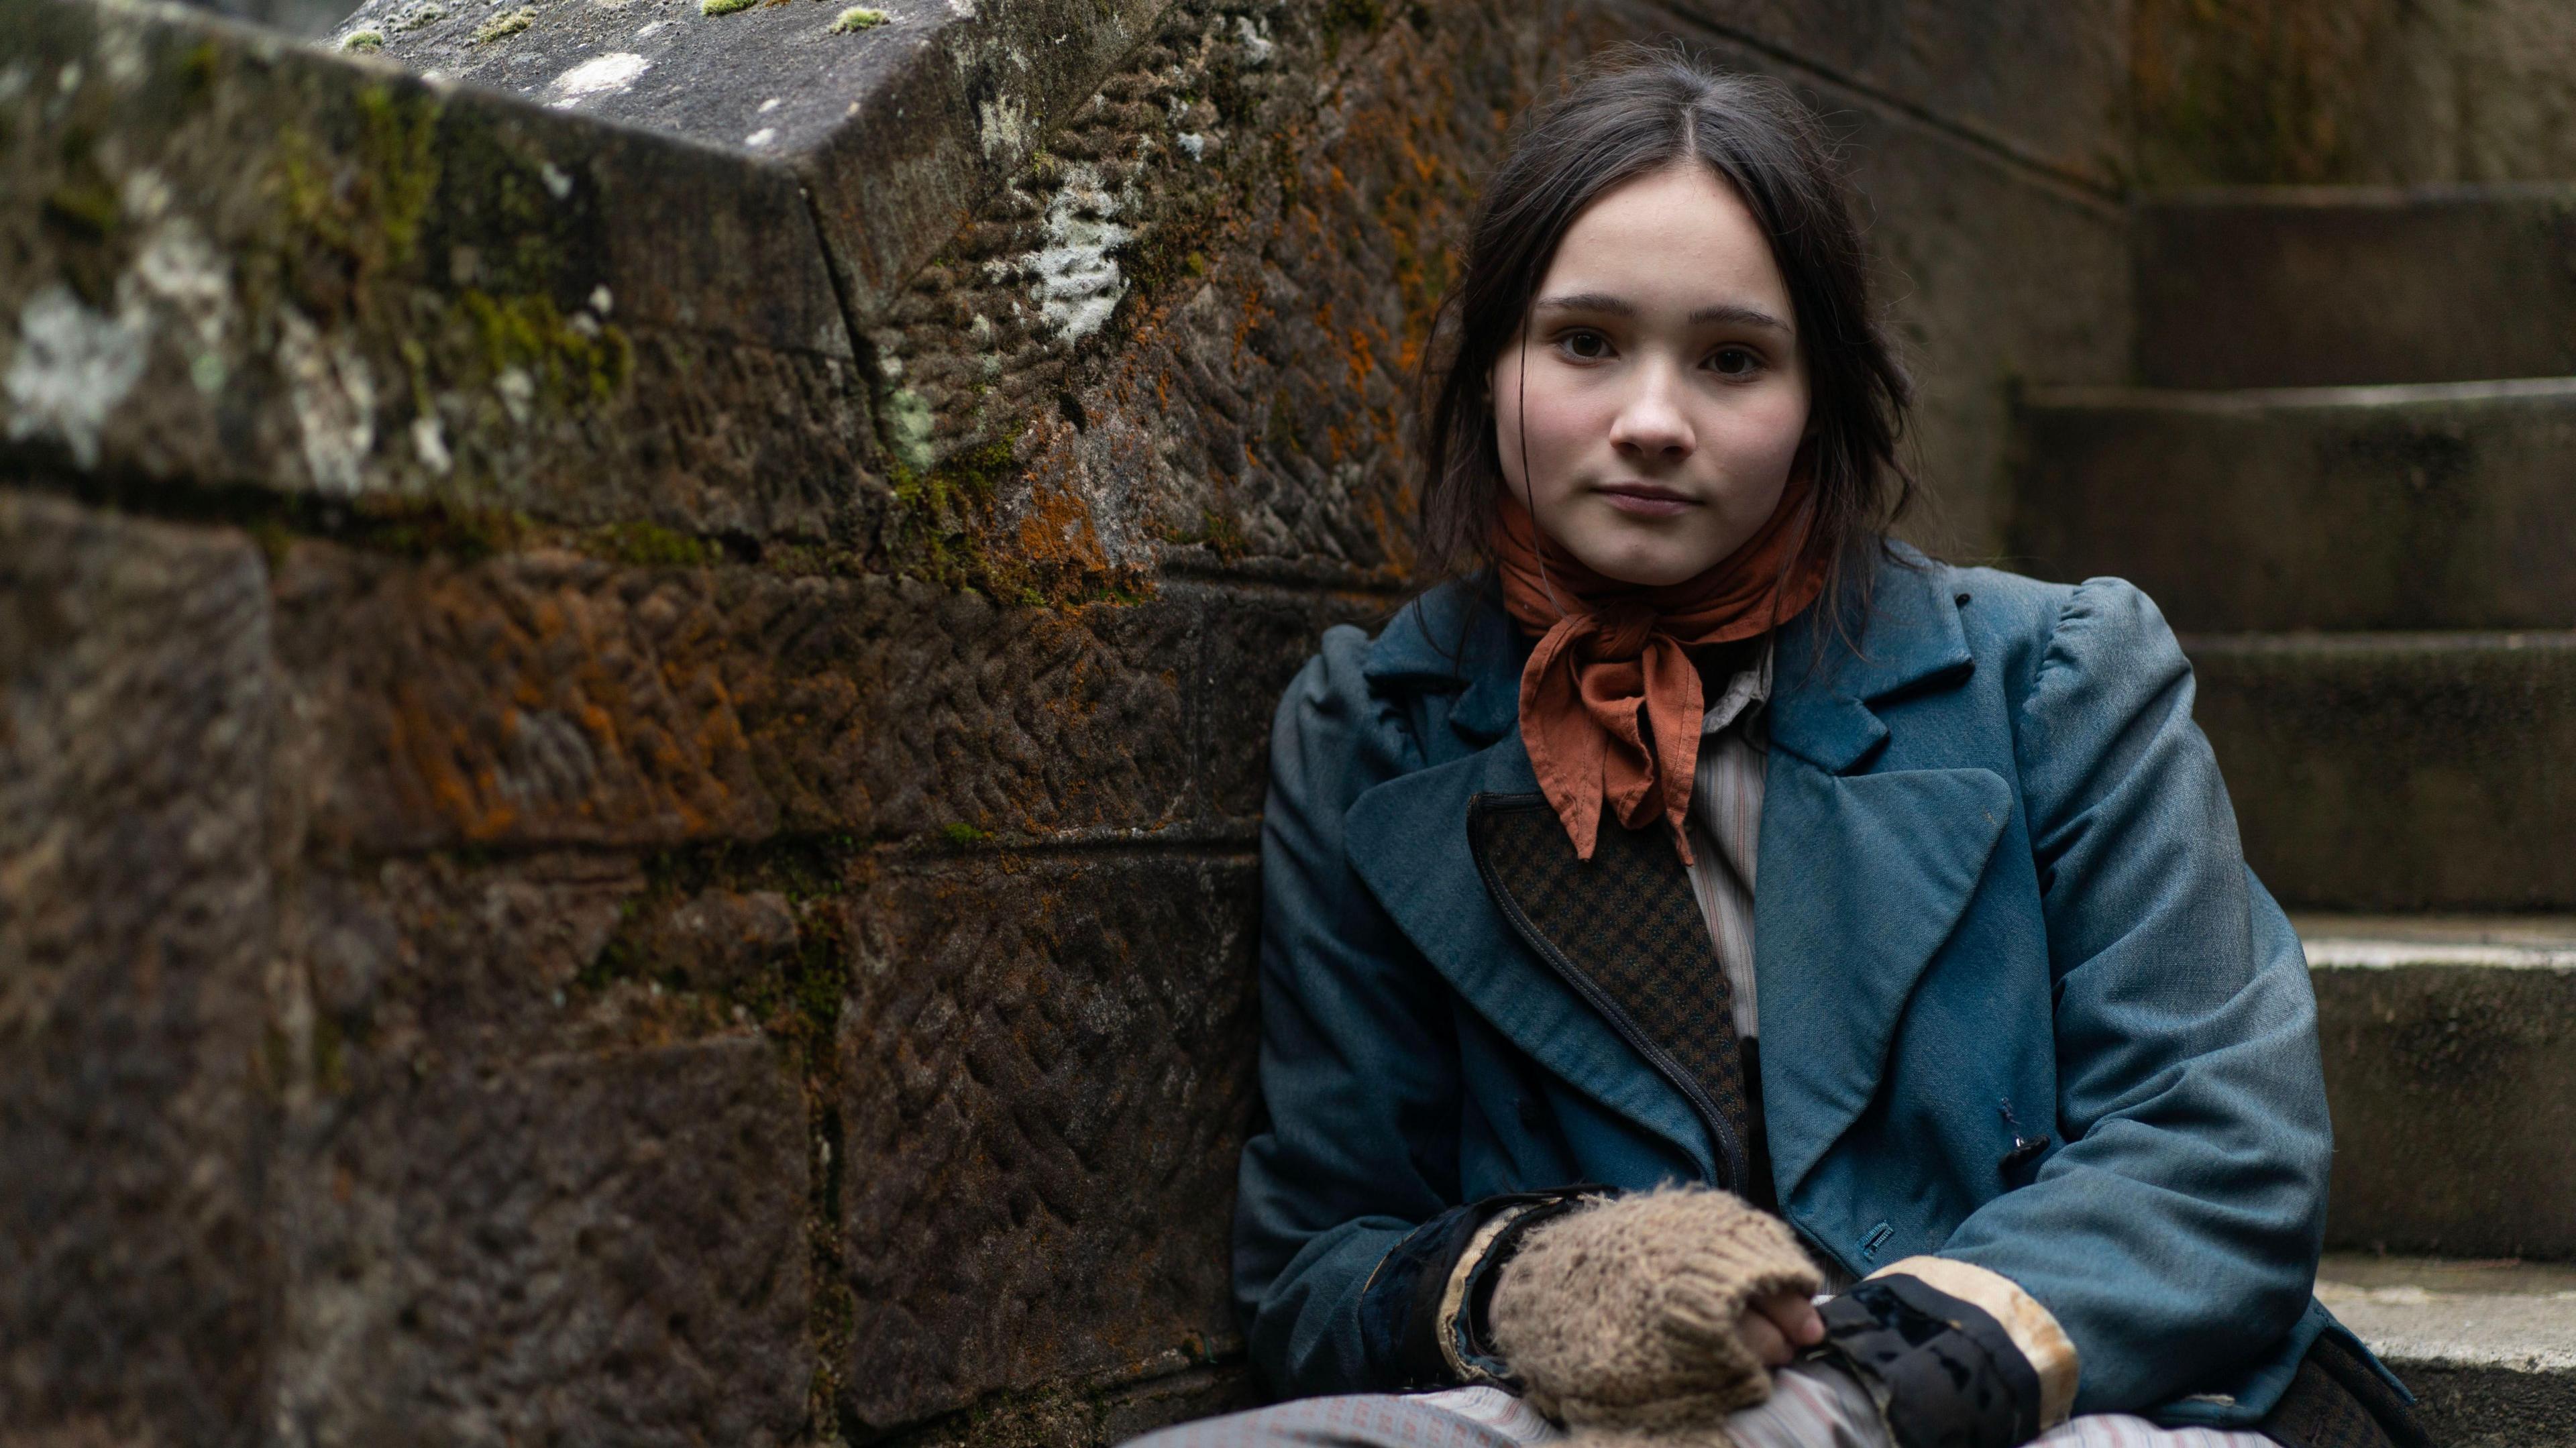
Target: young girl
1702,902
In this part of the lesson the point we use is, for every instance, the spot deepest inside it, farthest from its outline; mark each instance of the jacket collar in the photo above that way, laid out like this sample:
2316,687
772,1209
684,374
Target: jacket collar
1457,639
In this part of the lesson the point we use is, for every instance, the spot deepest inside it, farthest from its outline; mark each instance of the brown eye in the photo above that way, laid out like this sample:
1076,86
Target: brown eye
1585,346
1735,362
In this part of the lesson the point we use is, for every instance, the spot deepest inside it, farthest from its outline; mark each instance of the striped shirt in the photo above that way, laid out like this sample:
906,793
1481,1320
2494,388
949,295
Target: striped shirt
1726,826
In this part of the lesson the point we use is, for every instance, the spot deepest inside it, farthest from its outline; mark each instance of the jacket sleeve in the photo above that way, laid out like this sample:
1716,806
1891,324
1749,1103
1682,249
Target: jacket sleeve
1357,1150
2175,1231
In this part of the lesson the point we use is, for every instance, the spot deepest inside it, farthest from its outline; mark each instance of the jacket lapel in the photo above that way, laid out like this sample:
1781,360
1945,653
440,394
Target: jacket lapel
1861,880
1409,841
1862,876
1624,929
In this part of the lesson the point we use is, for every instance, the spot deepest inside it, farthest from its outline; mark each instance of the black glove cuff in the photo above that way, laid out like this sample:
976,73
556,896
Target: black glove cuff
1473,1330
1399,1312
1946,1371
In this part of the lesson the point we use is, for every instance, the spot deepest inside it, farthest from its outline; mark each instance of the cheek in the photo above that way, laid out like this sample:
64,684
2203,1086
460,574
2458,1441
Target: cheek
1557,424
1760,440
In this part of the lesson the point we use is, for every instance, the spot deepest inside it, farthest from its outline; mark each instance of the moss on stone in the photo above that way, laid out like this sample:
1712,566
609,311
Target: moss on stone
858,18
86,205
960,833
581,360
501,27
724,7
363,40
651,545
373,223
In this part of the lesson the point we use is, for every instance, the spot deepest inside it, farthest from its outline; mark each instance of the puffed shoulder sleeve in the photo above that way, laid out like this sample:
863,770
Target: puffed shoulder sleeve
1357,1148
2176,1230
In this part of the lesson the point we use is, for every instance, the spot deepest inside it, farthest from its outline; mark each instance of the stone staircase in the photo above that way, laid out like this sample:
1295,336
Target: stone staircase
2348,474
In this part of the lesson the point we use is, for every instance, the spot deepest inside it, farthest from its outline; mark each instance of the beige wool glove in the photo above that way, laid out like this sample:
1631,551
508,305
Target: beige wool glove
1621,1317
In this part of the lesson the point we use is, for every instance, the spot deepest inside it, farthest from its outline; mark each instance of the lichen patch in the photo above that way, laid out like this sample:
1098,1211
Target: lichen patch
334,399
601,75
1078,281
74,364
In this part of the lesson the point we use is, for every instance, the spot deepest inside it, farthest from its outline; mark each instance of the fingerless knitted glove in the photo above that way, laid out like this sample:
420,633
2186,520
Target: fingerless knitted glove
1622,1316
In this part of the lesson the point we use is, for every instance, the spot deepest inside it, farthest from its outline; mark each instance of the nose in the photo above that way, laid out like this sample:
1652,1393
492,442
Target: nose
1651,426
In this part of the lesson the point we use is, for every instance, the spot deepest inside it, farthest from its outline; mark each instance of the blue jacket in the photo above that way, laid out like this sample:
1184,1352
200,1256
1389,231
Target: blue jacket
1999,891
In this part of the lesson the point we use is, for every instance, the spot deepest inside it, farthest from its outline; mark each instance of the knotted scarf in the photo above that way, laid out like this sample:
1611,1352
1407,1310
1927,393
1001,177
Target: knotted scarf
1610,700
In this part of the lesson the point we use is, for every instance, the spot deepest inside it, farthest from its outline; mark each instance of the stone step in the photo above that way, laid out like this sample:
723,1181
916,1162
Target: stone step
2399,772
2489,1347
2447,505
2450,1060
2318,286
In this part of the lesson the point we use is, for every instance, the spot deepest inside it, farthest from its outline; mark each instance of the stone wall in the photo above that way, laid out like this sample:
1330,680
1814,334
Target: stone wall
2386,92
635,691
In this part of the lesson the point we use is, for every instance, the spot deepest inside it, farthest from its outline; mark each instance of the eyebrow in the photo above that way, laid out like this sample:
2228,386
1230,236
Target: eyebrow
1622,307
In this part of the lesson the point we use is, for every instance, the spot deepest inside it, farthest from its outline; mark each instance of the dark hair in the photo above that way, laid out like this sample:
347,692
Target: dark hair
1638,111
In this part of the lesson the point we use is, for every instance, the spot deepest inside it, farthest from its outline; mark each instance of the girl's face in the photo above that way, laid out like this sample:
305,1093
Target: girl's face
1657,384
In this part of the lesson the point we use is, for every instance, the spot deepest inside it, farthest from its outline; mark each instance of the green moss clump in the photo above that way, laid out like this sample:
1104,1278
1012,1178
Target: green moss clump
724,7
363,40
197,68
650,545
85,204
961,833
858,18
341,236
501,27
570,363
1223,536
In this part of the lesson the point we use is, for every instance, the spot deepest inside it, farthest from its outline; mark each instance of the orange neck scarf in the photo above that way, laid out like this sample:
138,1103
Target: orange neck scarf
1610,700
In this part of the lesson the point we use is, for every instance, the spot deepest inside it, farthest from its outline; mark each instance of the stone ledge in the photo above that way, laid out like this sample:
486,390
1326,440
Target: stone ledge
2400,771
246,263
2449,1047
896,128
2488,1347
2422,506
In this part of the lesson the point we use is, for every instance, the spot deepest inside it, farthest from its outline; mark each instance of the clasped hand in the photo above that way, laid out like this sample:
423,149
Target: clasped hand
1652,1312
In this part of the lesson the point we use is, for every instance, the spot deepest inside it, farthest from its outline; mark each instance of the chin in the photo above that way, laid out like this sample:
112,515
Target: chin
1646,570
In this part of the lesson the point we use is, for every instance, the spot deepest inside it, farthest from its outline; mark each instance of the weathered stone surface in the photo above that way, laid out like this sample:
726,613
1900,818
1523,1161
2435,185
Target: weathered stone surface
243,263
574,1248
898,124
418,967
2322,286
1046,1076
2391,772
294,17
2370,91
1192,324
137,1083
2044,78
2440,506
557,699
1958,237
2489,1348
2454,1091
